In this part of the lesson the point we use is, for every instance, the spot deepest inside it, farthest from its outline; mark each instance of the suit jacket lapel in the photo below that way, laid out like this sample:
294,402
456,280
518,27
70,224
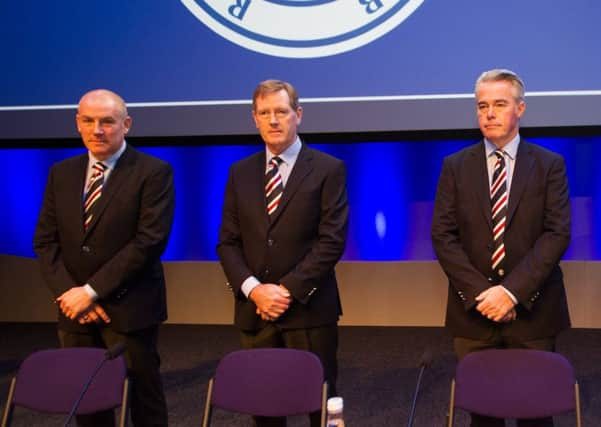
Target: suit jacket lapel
523,165
301,168
75,192
256,189
477,171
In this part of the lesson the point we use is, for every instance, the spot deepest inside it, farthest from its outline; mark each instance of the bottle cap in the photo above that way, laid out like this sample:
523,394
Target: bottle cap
335,404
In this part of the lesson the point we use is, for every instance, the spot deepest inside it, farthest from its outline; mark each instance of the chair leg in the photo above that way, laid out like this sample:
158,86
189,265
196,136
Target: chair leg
324,403
124,413
8,408
577,398
206,416
451,413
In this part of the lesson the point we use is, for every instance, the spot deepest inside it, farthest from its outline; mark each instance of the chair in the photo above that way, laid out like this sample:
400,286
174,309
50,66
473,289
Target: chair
273,382
515,383
50,381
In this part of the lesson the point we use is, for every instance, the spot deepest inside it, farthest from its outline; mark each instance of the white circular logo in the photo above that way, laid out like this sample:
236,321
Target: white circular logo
301,28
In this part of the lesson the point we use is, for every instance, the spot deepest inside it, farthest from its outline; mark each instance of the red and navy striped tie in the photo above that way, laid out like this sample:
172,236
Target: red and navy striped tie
499,200
93,193
274,186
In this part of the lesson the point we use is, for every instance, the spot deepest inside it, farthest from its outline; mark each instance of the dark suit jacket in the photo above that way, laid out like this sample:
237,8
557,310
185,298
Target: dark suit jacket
298,247
536,236
119,255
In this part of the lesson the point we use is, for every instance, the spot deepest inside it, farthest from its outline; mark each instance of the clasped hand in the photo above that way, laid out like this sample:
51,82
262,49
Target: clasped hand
496,305
272,300
76,304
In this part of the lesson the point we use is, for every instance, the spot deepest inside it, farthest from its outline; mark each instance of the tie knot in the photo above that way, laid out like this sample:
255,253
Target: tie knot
99,167
276,161
500,154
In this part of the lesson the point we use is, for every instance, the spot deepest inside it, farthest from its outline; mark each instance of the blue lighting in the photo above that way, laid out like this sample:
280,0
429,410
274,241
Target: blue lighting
391,187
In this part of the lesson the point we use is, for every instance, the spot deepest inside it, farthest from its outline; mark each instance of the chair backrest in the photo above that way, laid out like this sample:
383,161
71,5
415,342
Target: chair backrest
515,383
269,382
51,381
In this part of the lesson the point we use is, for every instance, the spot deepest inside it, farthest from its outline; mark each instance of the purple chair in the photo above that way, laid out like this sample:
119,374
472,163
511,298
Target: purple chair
50,381
515,383
273,382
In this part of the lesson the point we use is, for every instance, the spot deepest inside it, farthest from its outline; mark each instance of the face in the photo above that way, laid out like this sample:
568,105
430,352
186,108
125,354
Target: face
276,120
102,122
499,111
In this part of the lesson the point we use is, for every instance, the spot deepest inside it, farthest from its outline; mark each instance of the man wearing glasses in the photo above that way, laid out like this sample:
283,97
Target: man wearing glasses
283,230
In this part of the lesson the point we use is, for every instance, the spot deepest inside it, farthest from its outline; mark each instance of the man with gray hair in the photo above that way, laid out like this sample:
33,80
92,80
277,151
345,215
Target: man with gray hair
500,226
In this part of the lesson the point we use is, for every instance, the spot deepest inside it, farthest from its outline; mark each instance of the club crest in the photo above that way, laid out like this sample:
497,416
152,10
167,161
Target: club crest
301,28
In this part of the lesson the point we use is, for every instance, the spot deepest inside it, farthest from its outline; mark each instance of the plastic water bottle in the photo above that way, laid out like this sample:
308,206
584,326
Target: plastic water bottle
335,409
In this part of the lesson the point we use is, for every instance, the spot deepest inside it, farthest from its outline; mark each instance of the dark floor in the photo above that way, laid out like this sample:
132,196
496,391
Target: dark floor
378,371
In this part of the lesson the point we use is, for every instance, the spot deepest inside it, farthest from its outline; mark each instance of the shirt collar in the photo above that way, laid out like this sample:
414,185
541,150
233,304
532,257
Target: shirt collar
111,161
511,149
288,155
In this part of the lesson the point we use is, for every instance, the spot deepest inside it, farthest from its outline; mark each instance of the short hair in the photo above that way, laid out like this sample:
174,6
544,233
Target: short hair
272,86
105,93
503,75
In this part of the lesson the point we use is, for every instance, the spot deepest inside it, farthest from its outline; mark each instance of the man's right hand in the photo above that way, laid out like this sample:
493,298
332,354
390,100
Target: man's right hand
509,317
95,314
271,300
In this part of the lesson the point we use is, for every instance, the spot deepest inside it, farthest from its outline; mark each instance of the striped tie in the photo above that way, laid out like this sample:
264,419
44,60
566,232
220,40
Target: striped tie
499,198
93,193
273,185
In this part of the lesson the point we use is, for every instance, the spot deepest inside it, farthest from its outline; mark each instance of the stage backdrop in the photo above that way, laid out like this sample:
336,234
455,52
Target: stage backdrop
188,67
391,187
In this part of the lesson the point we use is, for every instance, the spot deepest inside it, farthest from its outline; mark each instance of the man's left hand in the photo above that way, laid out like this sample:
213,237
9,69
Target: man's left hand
74,302
494,303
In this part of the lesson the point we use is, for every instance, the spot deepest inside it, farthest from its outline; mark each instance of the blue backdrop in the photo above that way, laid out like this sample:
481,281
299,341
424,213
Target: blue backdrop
158,51
391,188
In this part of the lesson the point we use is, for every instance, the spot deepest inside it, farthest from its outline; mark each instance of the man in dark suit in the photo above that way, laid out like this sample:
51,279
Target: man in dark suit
500,226
103,226
283,230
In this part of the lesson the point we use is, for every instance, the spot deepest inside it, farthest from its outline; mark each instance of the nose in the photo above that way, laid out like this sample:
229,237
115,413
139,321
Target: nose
97,127
490,112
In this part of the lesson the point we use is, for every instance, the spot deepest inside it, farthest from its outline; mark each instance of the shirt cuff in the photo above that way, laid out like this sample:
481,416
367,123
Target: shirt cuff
91,292
249,284
513,298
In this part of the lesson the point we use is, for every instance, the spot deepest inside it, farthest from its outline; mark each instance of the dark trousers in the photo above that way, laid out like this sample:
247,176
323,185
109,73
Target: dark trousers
148,406
322,341
464,346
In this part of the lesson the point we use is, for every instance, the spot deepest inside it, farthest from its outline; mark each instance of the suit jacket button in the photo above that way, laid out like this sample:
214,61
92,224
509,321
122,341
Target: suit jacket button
270,242
85,249
267,271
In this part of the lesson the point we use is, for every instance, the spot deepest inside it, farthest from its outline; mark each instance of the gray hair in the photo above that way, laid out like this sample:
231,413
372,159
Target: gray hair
503,75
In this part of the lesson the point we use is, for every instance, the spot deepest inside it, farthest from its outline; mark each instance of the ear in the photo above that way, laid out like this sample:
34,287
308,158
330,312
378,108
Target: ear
127,124
521,108
299,115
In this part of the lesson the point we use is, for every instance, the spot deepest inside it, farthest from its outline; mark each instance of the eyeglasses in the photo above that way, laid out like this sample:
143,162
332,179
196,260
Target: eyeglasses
279,113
